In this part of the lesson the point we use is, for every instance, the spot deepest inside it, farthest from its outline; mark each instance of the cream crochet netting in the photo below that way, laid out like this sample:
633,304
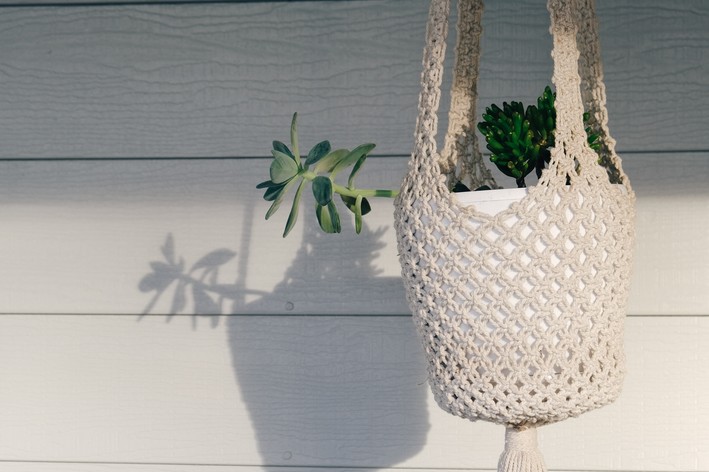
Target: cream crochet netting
521,314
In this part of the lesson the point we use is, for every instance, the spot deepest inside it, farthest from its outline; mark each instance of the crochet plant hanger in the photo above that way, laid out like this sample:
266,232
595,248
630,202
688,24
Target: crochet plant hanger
521,314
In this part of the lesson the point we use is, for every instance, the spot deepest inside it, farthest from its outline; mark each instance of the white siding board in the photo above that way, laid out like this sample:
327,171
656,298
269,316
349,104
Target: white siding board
100,393
84,234
323,391
223,79
96,467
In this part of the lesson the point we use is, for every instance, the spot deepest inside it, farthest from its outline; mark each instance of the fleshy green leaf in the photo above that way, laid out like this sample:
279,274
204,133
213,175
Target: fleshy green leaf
293,216
350,202
279,198
358,214
294,137
283,167
327,163
355,170
334,216
353,157
366,208
324,219
279,146
318,151
273,192
322,189
460,187
328,218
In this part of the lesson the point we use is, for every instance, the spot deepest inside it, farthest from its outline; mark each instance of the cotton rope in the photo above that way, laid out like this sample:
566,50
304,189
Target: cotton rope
521,452
521,314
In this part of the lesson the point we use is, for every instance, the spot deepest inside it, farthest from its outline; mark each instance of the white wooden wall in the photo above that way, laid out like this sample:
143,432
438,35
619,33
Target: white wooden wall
134,133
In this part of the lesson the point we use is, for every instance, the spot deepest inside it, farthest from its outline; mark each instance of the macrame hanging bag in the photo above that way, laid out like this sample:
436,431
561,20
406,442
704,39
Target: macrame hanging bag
521,313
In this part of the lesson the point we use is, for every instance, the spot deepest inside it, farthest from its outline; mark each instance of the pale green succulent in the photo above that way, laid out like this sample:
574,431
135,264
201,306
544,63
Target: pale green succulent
319,168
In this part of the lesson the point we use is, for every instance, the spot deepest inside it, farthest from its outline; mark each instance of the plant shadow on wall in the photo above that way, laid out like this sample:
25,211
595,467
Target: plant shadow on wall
320,390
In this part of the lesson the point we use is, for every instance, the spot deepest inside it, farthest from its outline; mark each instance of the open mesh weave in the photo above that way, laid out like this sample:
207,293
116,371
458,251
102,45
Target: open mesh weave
521,313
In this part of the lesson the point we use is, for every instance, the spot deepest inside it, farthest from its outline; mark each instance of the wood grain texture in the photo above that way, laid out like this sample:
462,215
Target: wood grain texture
84,236
80,3
331,392
223,79
14,466
104,389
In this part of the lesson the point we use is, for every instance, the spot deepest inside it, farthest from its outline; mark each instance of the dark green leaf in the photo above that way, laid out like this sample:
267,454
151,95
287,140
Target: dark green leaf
327,163
283,168
274,206
358,213
273,192
334,216
460,187
353,157
279,146
266,184
279,198
328,218
322,189
355,170
351,202
293,216
294,137
366,208
324,219
318,151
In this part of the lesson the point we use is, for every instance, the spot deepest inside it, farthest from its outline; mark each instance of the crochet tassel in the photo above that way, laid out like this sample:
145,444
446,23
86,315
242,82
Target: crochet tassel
521,452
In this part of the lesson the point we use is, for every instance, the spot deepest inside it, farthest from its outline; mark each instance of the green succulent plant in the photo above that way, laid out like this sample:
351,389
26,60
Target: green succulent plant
319,169
520,139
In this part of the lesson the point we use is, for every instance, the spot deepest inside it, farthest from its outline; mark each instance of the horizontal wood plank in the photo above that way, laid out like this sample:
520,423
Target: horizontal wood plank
86,237
13,466
80,3
304,391
223,79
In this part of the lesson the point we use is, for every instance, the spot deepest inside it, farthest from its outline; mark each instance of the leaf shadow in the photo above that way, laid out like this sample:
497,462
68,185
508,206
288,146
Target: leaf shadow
319,390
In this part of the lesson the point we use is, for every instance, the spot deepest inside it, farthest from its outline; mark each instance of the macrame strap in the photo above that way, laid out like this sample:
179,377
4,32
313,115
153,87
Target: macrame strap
521,452
572,159
461,159
593,90
425,153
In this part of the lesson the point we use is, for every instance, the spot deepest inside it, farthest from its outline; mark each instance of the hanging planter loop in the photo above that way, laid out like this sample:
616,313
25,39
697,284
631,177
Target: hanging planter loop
521,309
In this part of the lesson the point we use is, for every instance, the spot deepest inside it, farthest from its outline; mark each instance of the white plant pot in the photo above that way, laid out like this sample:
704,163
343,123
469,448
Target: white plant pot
492,202
527,363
